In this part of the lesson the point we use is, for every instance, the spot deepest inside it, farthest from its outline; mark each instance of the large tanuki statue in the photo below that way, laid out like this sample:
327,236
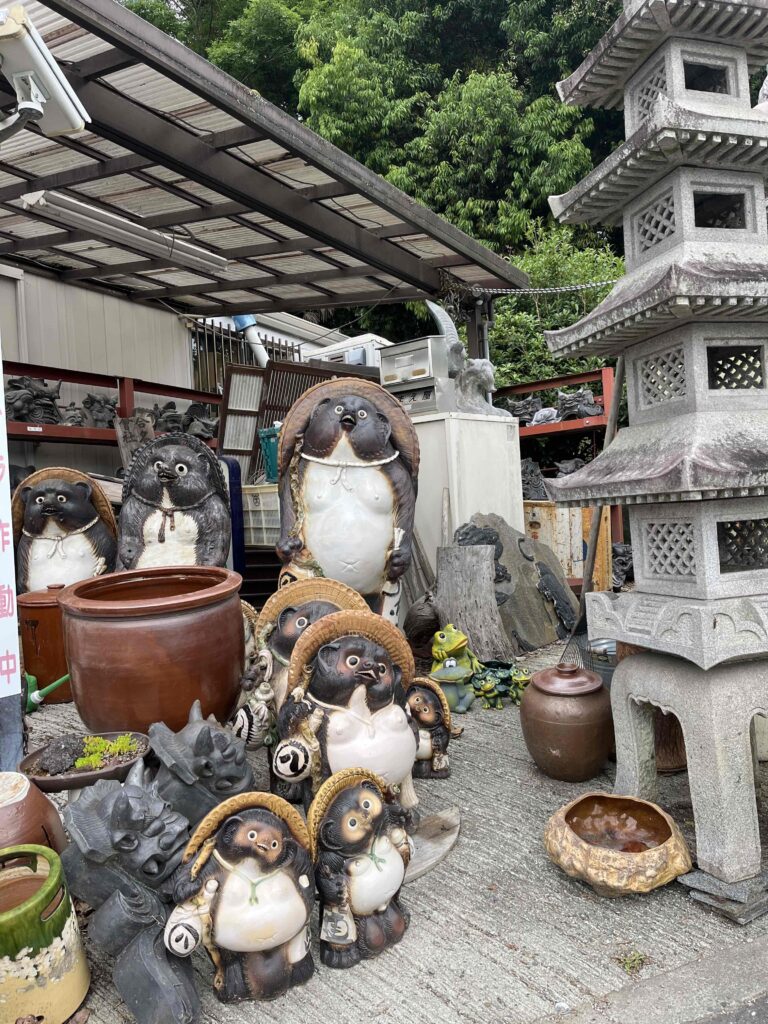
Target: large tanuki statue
246,892
348,465
347,707
175,506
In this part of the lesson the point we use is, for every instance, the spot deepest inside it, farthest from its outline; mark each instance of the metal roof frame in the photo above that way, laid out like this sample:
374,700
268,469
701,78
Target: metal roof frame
175,143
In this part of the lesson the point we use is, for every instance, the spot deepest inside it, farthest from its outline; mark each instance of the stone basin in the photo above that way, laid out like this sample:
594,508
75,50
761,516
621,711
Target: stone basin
616,844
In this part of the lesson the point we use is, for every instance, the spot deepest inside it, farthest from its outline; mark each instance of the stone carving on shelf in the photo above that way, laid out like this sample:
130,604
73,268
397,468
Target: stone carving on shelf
348,468
360,853
432,714
197,422
100,409
32,400
167,418
72,415
546,415
245,893
577,405
346,705
201,765
175,506
523,409
533,481
126,847
63,528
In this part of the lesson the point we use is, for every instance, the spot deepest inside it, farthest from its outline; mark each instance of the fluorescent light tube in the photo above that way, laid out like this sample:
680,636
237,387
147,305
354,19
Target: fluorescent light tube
111,228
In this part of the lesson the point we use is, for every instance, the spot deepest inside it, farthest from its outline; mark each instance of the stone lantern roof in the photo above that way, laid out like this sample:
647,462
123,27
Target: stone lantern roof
645,25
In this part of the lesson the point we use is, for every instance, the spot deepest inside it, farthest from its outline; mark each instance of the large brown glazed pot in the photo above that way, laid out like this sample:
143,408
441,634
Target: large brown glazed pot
617,844
142,646
42,640
565,713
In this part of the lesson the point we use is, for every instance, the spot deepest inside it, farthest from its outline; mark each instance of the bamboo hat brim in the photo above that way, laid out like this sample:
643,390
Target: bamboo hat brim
245,802
351,623
71,476
328,792
296,419
436,688
250,613
301,592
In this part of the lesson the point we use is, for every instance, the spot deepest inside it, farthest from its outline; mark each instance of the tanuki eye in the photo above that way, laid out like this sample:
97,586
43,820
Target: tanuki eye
274,844
253,836
61,498
352,822
302,623
181,469
362,414
353,661
39,499
366,805
339,410
382,668
158,466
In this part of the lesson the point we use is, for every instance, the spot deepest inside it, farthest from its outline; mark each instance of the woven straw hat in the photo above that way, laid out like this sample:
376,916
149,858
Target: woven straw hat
317,589
436,688
329,790
350,623
71,476
403,432
250,613
243,802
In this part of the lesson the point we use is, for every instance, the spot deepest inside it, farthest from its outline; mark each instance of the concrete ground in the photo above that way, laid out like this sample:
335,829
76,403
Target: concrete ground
498,934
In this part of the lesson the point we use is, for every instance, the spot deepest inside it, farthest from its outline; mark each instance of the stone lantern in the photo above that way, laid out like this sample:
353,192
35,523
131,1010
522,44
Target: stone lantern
691,317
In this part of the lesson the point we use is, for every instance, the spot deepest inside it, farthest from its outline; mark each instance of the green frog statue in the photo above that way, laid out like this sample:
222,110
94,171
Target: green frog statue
453,667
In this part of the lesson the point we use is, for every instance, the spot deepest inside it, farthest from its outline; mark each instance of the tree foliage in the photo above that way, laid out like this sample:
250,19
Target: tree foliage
454,102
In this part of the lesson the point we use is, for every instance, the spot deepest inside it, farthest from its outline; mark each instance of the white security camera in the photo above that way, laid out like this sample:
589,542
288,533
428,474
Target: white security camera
43,94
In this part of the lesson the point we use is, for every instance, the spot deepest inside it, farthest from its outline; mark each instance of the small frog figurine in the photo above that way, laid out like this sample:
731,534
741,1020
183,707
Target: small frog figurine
453,666
360,853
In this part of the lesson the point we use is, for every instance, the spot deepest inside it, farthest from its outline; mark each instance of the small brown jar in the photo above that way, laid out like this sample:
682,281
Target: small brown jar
42,640
27,815
567,725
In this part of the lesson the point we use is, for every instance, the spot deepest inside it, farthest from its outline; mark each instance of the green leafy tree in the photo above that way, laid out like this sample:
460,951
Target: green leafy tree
158,13
258,48
556,256
488,161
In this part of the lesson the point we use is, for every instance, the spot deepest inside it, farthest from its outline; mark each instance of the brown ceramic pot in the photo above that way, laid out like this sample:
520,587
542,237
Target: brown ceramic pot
42,640
565,713
27,816
142,646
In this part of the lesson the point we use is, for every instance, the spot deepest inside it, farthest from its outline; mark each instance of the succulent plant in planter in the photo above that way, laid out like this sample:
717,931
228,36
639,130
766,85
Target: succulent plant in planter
75,760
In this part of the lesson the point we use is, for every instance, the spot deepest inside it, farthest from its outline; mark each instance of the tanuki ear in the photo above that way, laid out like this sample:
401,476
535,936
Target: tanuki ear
25,493
85,489
327,656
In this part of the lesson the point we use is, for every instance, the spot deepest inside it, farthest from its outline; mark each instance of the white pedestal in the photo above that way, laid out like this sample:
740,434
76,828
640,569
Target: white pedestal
478,459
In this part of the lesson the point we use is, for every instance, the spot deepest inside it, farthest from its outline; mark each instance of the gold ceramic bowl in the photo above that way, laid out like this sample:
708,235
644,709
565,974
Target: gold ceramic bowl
617,844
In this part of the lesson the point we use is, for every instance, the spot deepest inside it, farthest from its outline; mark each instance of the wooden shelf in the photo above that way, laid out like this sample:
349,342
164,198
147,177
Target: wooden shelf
47,432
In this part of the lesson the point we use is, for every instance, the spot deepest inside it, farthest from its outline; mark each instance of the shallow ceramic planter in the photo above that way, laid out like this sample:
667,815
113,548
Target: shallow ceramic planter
142,646
26,816
43,969
617,844
79,780
42,640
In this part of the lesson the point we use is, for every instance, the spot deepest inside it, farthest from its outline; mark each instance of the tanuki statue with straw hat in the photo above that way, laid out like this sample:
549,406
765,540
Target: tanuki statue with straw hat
346,706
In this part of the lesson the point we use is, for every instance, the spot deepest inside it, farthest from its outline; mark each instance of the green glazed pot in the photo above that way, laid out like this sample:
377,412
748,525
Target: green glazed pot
43,969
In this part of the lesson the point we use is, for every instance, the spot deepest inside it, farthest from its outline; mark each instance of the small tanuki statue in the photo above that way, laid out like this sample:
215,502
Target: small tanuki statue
246,891
64,529
273,635
348,465
175,506
346,705
360,856
430,710
200,766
